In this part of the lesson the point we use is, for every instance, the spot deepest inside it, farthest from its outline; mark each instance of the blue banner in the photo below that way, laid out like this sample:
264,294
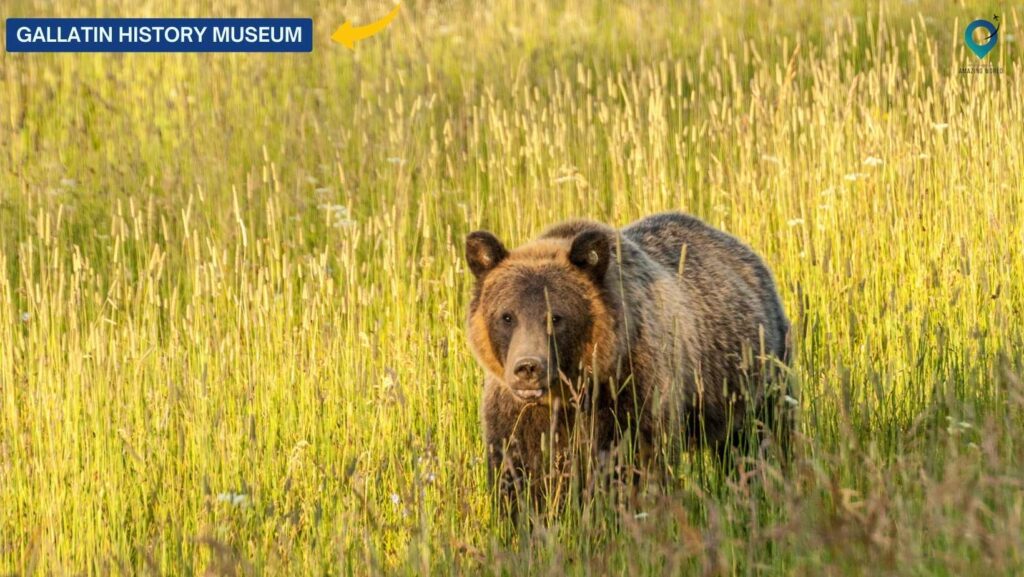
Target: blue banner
159,35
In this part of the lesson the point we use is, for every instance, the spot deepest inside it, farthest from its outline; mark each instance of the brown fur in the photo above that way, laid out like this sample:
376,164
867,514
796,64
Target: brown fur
678,359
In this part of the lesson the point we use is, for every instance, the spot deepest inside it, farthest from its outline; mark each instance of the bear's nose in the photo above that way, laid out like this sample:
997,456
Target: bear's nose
528,369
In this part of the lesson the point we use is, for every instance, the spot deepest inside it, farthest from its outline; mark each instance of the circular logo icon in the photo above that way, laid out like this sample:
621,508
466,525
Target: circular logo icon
981,50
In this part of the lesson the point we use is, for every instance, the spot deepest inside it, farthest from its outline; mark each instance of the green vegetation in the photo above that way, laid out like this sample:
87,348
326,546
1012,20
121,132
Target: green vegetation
232,290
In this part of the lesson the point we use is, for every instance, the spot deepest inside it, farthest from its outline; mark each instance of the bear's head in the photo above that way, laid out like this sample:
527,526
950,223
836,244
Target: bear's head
538,320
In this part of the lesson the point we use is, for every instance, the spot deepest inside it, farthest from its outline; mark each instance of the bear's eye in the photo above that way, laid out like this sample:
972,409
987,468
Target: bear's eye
555,319
507,318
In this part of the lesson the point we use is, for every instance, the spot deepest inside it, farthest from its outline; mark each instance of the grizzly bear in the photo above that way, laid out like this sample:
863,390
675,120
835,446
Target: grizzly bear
668,330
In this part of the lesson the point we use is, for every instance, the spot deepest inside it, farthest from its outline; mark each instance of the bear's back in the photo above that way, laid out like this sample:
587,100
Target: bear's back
664,236
724,274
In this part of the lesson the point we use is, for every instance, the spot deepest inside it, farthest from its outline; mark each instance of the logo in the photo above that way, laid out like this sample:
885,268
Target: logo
981,37
982,50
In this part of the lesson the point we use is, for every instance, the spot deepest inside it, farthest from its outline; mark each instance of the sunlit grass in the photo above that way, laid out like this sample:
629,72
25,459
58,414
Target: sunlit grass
231,312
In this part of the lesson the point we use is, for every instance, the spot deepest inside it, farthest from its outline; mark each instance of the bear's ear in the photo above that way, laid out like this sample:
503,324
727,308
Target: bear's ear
591,251
483,252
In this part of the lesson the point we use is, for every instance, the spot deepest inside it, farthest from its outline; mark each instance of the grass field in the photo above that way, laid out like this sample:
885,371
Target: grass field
232,294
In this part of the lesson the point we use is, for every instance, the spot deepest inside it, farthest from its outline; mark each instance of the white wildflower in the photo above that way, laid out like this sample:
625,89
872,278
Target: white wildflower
872,161
233,499
956,427
338,215
794,222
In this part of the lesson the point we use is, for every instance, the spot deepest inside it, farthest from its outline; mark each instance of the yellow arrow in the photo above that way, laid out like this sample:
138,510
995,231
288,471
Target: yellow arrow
348,34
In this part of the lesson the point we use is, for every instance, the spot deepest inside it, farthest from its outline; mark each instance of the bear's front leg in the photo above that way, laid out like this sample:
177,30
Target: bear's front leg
516,434
506,473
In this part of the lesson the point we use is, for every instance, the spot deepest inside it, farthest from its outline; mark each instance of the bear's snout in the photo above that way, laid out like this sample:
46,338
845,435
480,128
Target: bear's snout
529,378
529,370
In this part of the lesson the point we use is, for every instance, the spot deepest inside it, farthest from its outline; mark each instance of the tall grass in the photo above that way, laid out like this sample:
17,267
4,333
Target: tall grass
232,299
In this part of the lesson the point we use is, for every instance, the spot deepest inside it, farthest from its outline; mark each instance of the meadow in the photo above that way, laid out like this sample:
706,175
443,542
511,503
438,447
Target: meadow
233,294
